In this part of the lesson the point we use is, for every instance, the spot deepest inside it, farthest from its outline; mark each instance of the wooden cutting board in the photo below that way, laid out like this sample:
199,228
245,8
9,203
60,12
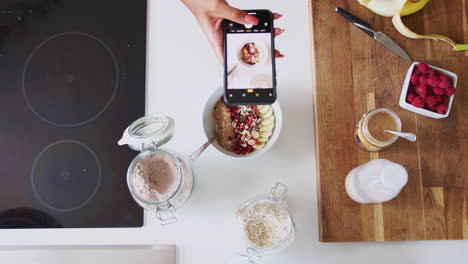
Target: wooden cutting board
354,74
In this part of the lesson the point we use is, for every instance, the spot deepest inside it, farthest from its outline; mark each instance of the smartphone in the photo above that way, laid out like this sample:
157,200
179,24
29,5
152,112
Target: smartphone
249,61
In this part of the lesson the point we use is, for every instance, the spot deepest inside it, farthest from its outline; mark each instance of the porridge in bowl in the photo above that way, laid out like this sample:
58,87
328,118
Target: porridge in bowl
251,53
243,129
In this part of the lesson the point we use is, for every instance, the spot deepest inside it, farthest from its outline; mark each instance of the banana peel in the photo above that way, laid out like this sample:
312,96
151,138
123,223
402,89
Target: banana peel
398,23
398,8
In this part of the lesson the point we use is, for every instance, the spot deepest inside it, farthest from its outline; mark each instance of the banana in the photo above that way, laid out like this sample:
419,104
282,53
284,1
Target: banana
398,8
385,8
413,6
389,8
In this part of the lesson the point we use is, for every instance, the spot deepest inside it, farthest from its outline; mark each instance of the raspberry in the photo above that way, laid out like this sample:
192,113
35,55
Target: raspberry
414,79
444,77
430,108
450,91
423,67
431,73
421,90
423,80
410,97
417,71
433,81
418,102
429,91
431,101
444,83
444,99
438,91
441,109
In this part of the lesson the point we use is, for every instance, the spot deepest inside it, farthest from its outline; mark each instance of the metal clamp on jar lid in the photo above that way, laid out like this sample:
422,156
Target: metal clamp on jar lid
267,224
148,132
159,180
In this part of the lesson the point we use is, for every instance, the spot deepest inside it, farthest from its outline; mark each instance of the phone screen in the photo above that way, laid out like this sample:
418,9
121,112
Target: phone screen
249,60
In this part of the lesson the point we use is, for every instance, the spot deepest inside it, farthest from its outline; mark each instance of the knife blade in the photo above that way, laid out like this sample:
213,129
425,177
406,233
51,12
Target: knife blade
378,36
391,45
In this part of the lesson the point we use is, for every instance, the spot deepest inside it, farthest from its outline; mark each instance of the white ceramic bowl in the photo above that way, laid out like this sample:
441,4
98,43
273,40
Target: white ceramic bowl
422,111
209,126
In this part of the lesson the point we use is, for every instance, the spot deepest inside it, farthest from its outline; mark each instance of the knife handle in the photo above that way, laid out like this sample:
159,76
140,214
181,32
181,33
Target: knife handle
353,19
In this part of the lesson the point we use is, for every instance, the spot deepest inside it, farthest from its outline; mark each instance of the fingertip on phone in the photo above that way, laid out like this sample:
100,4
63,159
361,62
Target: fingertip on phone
249,19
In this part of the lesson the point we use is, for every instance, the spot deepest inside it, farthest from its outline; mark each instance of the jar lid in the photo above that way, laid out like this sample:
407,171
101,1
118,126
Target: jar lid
393,176
148,132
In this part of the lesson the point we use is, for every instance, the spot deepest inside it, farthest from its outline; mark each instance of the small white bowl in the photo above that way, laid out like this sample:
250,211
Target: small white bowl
209,126
422,111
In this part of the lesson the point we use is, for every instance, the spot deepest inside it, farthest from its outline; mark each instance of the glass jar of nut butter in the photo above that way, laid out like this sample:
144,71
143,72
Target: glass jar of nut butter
370,133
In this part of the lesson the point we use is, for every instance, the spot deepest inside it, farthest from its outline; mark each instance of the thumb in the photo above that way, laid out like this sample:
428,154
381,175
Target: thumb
236,15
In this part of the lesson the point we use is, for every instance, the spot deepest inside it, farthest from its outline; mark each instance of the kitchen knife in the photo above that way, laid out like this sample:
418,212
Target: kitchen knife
378,36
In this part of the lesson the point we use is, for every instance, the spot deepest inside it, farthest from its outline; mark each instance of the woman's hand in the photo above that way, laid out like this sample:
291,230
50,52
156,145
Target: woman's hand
210,15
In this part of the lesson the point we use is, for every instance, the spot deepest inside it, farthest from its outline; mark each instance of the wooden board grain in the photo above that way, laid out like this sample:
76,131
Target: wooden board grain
354,74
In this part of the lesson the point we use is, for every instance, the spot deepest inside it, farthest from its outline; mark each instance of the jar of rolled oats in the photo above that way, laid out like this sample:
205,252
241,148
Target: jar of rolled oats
267,225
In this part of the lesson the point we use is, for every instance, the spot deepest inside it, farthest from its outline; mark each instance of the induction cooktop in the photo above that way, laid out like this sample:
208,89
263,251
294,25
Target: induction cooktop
72,78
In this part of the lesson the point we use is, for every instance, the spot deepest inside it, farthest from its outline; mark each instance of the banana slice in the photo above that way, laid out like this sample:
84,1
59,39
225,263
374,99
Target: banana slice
268,114
268,122
259,146
255,134
264,109
261,107
269,118
267,128
263,139
266,134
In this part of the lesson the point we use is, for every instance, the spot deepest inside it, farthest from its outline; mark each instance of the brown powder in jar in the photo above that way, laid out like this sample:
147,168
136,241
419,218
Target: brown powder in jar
156,177
378,123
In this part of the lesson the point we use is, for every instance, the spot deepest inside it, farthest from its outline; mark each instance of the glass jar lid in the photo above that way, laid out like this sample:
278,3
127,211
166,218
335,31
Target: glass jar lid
251,257
148,132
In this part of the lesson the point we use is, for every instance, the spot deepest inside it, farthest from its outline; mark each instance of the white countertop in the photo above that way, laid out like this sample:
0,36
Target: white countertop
182,73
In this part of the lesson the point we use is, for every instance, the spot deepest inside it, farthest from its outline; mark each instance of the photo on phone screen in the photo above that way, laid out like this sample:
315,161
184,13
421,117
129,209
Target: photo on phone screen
250,60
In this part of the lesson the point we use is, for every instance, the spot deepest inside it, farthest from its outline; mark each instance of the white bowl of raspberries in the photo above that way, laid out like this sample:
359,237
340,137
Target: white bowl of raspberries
428,90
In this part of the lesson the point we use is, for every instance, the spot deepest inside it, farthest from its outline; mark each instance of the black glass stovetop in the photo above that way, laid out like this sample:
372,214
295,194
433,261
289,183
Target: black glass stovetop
72,78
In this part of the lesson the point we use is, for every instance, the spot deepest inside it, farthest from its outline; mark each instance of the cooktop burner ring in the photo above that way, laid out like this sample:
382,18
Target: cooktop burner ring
58,179
70,79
